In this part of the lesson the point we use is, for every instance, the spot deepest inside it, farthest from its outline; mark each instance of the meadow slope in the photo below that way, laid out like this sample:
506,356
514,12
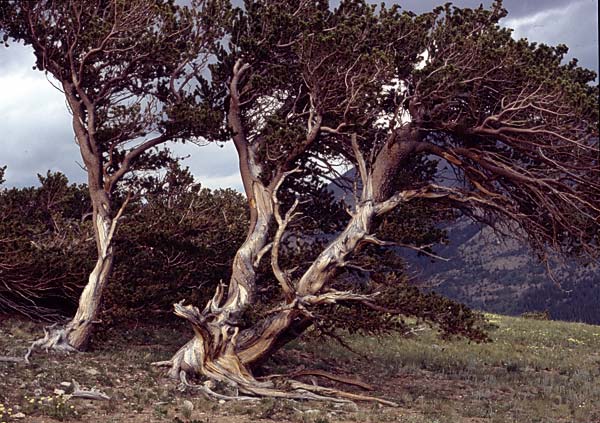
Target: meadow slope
532,371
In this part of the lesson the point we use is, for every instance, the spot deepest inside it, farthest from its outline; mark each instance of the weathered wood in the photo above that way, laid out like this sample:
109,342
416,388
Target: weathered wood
219,351
91,394
326,375
76,334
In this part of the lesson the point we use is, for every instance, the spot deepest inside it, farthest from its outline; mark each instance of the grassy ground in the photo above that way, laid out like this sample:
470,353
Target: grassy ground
533,371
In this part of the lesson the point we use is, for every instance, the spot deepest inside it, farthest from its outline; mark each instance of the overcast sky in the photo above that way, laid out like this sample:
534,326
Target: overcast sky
35,127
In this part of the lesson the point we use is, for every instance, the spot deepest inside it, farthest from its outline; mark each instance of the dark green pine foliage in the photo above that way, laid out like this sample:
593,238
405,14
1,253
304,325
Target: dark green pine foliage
178,241
500,130
46,247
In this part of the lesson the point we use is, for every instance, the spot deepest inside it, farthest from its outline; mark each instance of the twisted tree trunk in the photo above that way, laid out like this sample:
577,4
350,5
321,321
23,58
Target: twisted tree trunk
79,329
221,352
75,335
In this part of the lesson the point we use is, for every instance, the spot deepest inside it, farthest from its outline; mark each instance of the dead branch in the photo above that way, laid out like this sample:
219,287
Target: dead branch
91,394
321,373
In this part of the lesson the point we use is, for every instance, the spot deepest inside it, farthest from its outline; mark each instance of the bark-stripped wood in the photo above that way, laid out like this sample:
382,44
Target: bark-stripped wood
516,146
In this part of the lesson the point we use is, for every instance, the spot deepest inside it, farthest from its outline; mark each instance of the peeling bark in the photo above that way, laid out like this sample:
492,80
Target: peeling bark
75,335
80,327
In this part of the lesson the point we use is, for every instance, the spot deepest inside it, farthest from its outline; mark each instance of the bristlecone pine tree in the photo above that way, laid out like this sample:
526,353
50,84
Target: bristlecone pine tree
130,72
309,86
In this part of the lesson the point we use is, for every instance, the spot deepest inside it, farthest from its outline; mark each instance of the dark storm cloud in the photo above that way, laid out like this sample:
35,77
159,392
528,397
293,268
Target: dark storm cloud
573,23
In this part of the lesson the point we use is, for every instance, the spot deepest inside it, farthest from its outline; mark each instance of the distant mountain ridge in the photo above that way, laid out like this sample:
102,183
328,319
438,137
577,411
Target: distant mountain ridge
503,276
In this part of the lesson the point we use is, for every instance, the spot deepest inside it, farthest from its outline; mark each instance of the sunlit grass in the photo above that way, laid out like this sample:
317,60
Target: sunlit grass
530,371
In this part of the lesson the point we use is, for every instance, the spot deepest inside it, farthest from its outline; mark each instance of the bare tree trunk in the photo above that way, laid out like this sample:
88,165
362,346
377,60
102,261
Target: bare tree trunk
216,327
79,329
220,352
75,335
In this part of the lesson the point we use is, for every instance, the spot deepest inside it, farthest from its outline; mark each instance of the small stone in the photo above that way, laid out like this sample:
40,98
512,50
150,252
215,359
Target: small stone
221,401
92,372
59,391
188,406
18,416
65,384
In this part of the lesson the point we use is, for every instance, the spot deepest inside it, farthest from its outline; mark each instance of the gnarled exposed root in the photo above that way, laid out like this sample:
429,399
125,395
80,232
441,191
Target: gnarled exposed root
326,375
258,392
245,387
295,390
337,393
56,339
215,356
183,360
207,389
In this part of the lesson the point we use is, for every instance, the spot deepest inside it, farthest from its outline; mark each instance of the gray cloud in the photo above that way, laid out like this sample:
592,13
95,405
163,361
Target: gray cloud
35,131
214,165
574,23
515,7
35,127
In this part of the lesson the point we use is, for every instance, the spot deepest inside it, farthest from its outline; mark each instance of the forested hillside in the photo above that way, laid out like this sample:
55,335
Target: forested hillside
503,276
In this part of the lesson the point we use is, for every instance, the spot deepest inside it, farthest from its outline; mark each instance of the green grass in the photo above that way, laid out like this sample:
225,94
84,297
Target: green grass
532,371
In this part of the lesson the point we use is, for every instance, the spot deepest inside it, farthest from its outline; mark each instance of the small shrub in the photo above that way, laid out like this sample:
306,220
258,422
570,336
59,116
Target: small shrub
537,315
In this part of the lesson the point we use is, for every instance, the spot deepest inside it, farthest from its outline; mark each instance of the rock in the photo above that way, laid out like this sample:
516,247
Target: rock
188,406
221,401
92,372
18,416
65,384
59,391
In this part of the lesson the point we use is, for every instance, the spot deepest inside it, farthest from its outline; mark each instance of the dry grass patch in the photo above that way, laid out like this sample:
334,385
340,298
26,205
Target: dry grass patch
533,371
